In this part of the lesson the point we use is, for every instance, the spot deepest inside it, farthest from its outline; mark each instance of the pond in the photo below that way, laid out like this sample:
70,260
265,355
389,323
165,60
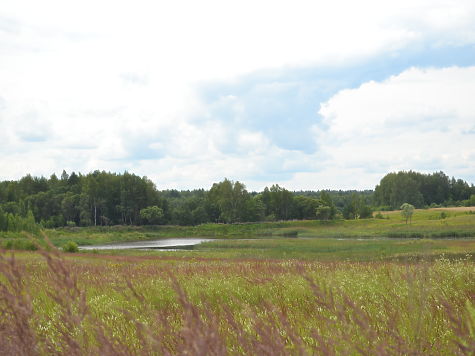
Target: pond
162,244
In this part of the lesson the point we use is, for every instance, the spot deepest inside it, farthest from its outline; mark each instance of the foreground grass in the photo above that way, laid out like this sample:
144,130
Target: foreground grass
176,304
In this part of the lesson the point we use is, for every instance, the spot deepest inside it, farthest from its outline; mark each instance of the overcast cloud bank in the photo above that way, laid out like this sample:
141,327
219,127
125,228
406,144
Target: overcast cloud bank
307,96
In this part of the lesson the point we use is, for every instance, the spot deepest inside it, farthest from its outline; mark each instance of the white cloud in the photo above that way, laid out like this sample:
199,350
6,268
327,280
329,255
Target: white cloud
419,119
95,83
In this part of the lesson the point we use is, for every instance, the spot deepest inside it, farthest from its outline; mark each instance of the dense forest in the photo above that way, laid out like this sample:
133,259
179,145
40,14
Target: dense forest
103,198
422,190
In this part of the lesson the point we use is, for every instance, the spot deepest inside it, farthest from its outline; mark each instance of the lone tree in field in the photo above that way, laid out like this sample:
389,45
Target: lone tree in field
406,211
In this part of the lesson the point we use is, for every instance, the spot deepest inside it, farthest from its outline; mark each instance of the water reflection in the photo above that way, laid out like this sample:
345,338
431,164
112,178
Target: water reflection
152,244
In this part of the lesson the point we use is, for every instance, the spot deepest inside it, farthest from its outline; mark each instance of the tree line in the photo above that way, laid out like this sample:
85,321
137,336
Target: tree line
103,198
422,190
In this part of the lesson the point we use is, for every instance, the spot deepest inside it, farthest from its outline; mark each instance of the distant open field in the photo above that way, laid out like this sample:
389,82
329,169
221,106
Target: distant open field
449,209
456,208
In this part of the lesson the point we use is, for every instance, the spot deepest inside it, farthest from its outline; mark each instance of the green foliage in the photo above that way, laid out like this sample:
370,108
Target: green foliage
420,189
231,198
15,223
327,200
356,208
407,210
152,215
18,244
279,202
101,198
365,212
98,198
323,212
71,247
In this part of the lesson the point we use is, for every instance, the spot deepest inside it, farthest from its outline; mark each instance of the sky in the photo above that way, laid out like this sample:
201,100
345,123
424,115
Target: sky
307,94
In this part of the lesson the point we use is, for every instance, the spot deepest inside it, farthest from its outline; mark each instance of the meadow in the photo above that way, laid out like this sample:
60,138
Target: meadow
426,223
275,295
53,303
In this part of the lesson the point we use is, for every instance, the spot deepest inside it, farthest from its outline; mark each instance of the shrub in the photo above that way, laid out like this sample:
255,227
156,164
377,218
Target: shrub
18,244
71,246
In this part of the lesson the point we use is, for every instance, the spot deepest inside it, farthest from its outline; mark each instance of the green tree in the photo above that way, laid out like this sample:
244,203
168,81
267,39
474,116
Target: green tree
323,212
305,207
255,209
199,215
356,208
407,210
29,224
70,207
280,202
365,211
352,207
328,201
3,221
231,198
471,201
152,215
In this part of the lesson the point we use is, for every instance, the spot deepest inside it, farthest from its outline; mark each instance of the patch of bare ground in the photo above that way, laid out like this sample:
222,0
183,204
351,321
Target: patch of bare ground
455,208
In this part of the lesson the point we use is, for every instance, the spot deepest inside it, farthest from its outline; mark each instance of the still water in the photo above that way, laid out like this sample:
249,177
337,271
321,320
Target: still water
152,244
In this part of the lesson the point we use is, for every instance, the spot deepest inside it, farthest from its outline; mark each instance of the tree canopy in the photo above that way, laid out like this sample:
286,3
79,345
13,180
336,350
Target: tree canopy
407,210
104,198
420,190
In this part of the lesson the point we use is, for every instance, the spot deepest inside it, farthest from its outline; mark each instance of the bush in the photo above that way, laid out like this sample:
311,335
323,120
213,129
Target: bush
19,244
71,246
366,212
379,216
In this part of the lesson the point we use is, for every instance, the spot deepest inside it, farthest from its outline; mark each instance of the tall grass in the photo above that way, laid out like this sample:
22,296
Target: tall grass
51,303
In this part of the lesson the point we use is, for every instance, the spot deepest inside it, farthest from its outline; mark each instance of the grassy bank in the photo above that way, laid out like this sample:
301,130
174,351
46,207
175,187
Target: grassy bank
430,223
327,249
321,249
